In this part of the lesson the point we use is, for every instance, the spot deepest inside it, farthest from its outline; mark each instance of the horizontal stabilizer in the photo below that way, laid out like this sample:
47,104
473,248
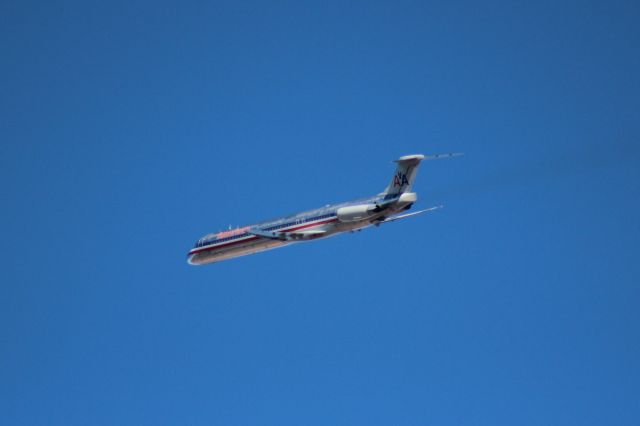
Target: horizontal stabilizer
440,156
404,216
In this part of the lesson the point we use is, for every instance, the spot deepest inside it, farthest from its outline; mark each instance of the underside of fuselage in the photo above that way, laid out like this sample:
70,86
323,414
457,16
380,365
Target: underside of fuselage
242,249
255,244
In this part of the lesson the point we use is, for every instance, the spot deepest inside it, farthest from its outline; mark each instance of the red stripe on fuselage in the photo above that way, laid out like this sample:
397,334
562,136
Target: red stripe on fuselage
192,252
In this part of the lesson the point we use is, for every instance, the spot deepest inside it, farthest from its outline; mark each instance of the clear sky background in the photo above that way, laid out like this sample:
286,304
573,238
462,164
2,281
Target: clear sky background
130,129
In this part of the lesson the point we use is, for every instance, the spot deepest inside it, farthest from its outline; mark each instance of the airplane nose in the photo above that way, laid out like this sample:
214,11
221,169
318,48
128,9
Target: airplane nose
197,259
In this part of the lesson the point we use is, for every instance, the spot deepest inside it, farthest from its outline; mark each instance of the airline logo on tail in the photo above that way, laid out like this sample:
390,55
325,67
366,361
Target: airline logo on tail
400,180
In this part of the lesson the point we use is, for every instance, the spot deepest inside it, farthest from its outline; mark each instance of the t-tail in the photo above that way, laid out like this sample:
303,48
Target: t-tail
405,174
402,181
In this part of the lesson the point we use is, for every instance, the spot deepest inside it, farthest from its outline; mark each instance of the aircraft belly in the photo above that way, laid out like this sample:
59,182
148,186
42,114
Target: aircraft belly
262,244
224,253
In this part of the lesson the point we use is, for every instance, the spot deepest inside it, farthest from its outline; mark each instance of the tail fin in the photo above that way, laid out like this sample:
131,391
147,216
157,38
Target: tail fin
404,176
406,172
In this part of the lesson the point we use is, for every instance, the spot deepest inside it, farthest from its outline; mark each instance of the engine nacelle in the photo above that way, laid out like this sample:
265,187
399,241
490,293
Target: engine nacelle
355,213
408,198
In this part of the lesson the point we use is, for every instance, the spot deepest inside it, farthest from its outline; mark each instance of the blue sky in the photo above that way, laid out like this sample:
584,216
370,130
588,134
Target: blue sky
130,129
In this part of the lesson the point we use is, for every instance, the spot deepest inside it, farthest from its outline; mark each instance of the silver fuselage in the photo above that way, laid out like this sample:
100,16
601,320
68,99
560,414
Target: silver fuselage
239,242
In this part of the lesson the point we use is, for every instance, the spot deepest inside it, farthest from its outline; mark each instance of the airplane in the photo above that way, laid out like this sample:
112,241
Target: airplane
387,206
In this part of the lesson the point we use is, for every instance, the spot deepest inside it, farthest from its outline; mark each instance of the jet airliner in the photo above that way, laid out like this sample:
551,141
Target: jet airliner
333,219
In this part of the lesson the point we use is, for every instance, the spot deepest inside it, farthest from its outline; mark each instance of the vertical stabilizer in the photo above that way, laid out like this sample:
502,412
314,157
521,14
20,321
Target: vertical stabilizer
404,176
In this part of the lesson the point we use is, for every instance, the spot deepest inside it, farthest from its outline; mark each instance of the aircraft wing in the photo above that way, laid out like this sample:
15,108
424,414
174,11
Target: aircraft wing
286,236
267,234
404,216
